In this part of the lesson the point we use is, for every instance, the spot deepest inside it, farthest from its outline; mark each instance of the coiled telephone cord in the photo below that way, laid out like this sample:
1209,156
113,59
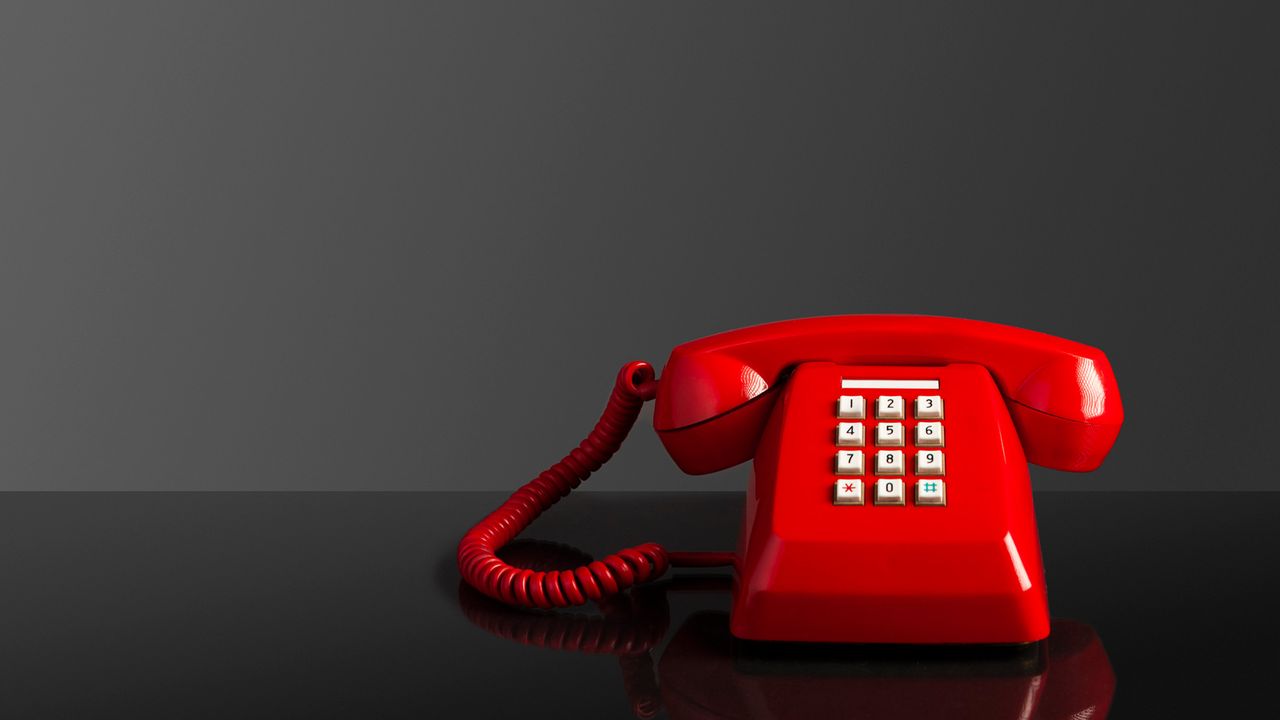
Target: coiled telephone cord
477,552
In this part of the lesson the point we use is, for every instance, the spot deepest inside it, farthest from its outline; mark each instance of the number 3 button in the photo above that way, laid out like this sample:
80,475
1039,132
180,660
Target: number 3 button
929,407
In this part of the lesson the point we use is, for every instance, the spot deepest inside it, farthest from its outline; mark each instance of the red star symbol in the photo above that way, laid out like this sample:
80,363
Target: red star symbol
848,487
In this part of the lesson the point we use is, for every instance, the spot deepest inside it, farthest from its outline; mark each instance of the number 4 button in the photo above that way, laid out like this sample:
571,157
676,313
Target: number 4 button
849,434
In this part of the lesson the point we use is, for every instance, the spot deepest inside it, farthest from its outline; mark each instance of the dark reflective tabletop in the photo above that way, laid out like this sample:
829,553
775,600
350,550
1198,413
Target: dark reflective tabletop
348,605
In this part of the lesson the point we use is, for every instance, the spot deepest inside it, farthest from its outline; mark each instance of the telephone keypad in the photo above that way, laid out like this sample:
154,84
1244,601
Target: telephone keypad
889,492
849,434
889,434
889,462
889,407
921,428
930,434
849,462
848,491
853,407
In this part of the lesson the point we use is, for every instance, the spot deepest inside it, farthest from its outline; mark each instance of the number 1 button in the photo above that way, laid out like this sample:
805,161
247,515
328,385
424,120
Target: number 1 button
853,407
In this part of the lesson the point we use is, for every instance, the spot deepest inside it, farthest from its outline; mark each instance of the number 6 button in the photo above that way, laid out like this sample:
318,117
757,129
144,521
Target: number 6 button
929,434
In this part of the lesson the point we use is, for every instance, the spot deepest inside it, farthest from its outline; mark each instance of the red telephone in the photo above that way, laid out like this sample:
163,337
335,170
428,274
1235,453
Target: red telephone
890,500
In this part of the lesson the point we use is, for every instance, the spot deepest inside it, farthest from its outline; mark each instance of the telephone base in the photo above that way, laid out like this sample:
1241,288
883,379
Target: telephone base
894,570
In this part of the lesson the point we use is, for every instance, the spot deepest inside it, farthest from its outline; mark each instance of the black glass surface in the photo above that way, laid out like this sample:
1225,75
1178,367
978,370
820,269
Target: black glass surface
349,605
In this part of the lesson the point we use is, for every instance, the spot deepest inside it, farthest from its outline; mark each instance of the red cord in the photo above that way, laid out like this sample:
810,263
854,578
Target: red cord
477,553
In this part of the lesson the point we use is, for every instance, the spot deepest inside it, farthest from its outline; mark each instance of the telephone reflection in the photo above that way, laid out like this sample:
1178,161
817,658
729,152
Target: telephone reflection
704,672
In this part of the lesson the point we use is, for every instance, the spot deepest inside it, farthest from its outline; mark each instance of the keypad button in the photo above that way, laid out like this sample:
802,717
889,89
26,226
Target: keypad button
890,492
849,462
929,407
848,491
889,407
929,434
931,492
849,434
889,434
889,462
853,407
930,462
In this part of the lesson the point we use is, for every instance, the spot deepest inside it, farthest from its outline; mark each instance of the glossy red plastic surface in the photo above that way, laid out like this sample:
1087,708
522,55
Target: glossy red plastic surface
1062,394
968,572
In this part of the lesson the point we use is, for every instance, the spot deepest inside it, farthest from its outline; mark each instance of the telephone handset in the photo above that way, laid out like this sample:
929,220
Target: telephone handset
890,499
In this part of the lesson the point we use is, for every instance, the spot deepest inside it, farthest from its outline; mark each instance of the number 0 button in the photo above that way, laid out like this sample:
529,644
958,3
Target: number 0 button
889,492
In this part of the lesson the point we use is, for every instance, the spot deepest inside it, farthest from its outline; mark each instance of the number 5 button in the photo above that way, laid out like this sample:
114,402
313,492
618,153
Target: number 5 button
929,434
889,434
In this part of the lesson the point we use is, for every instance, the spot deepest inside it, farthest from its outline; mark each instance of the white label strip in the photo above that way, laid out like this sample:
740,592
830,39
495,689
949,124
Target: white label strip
889,384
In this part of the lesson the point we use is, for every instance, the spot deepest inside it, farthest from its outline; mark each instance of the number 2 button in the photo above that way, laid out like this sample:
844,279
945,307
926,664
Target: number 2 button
889,407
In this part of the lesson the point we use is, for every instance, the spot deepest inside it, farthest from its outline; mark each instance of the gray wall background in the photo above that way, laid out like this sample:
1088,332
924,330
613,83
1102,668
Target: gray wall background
406,245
